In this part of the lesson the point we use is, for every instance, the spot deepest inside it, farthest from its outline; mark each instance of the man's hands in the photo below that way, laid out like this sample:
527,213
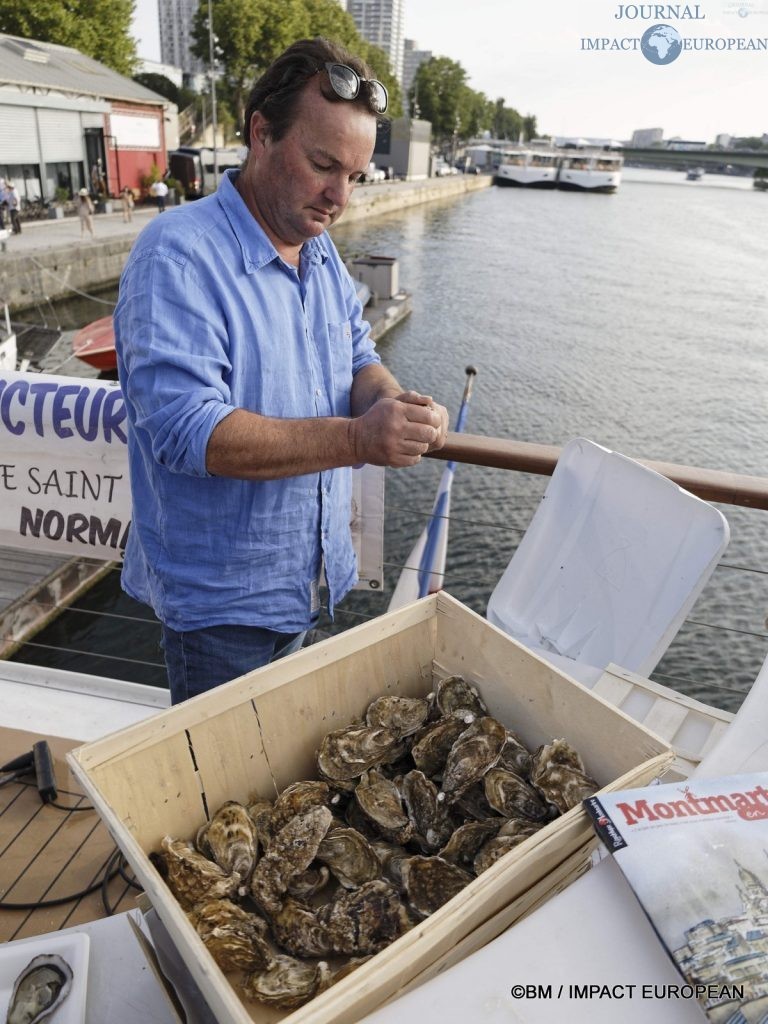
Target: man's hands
397,431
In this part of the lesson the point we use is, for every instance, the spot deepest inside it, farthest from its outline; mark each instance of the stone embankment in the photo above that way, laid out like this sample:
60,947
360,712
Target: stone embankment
50,261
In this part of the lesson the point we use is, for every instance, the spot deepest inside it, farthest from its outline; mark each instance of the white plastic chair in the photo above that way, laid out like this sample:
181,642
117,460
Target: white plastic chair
610,565
744,745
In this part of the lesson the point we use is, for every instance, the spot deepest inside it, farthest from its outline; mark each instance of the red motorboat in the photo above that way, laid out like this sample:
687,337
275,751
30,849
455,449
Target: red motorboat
95,344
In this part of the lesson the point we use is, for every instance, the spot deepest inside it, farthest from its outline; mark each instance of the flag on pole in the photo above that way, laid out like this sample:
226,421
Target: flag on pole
424,568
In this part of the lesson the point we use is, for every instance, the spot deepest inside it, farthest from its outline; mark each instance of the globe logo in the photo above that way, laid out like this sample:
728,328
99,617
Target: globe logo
661,44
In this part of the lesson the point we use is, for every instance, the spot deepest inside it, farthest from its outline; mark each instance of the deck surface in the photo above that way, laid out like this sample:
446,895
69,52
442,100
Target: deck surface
47,853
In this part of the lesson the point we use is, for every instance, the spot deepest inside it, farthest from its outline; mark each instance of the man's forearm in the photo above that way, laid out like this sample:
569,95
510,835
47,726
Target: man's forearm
370,384
252,447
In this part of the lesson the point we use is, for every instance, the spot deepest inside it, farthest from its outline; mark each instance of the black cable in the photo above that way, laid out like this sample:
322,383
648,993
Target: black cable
114,859
61,807
41,904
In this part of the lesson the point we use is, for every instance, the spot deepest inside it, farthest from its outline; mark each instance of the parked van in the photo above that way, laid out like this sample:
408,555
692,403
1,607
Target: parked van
193,168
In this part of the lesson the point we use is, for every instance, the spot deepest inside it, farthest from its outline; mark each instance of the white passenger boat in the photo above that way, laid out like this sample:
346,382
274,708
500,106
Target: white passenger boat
589,171
528,168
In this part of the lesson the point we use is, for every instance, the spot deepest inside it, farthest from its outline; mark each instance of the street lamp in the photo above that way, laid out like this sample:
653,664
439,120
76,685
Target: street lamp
211,39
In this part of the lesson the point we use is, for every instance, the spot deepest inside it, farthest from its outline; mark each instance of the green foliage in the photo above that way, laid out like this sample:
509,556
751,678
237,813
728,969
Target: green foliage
438,93
97,28
164,87
61,195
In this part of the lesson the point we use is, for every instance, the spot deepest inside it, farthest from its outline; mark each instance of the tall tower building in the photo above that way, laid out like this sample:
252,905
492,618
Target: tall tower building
412,59
176,17
381,22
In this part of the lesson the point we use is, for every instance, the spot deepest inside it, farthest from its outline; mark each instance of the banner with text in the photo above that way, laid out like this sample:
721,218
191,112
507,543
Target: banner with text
64,483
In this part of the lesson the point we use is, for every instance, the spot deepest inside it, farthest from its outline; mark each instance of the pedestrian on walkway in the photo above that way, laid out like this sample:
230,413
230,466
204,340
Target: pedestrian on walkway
14,206
3,203
127,202
85,212
159,190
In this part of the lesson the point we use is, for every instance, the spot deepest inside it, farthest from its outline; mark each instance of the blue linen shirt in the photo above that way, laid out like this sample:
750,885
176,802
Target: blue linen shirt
210,319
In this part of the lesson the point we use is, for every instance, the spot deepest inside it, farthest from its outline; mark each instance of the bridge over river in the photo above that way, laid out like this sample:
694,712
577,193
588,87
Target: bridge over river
720,158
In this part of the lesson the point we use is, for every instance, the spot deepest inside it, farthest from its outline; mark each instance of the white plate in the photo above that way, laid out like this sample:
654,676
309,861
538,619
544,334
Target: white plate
72,947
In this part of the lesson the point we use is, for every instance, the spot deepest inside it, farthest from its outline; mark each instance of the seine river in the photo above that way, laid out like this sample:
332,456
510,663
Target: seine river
639,320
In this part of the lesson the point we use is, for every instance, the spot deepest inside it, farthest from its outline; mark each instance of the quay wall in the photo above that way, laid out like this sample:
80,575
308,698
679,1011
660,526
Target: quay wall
57,271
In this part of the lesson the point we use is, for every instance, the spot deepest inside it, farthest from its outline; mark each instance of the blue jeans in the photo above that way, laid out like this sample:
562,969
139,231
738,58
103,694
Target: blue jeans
200,659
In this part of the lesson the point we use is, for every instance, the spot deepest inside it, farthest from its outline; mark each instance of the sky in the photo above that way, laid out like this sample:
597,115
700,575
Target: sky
531,52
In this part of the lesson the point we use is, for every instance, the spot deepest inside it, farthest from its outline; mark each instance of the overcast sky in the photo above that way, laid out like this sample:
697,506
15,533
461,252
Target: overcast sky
531,53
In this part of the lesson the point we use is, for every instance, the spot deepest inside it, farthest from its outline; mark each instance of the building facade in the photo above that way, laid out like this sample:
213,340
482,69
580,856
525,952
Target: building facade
69,122
644,137
381,22
413,58
175,20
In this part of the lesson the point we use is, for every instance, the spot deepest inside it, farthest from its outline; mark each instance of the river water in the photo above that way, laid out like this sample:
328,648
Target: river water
638,320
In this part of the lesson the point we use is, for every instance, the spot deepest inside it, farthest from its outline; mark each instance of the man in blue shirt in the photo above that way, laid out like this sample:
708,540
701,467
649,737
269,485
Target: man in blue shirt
252,385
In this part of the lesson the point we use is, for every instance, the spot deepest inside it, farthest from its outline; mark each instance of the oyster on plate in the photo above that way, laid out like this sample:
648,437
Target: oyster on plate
230,839
296,928
346,753
235,939
379,800
297,798
455,696
193,878
474,753
433,744
287,982
403,715
465,842
364,920
431,881
559,773
512,796
473,804
349,856
40,989
289,854
429,816
391,857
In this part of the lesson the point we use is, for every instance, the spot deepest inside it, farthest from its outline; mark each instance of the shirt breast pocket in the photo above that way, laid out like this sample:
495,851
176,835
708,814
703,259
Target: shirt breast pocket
340,339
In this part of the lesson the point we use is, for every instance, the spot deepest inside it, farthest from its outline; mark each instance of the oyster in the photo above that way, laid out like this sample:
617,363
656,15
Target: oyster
465,842
347,753
430,882
512,796
455,696
39,990
296,928
297,798
433,744
191,877
515,756
235,939
476,751
350,966
230,839
379,800
429,817
403,715
350,857
364,920
260,812
287,982
498,846
309,882
559,773
520,827
289,854
391,858
472,803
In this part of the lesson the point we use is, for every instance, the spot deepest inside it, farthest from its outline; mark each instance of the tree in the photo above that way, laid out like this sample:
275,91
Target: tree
97,28
438,89
165,87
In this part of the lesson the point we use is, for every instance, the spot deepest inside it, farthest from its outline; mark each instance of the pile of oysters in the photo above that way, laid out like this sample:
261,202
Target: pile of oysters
410,806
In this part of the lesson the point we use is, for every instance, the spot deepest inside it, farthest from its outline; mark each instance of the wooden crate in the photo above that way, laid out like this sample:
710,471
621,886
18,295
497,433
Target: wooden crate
261,732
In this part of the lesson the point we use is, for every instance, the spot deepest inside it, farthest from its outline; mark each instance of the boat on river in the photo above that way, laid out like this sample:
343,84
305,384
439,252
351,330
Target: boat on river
573,170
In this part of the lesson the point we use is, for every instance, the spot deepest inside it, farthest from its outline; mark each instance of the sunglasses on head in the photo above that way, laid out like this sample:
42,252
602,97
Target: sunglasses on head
346,83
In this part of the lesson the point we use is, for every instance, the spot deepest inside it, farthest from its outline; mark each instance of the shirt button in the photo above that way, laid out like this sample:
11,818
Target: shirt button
318,392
